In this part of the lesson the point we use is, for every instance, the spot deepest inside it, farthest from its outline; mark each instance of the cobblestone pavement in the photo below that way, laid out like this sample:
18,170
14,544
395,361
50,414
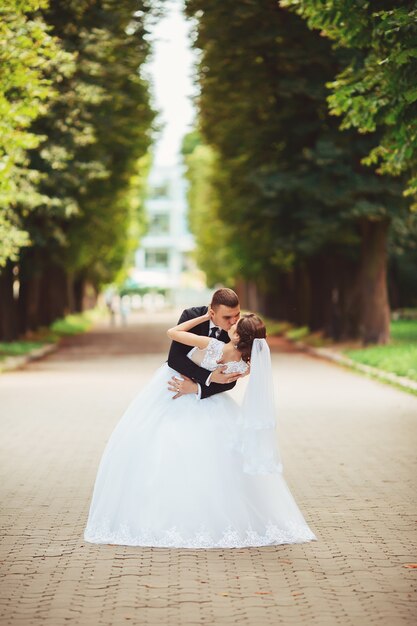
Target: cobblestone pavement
349,448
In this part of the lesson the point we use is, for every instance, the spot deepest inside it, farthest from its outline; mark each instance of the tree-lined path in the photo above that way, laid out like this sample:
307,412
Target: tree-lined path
349,455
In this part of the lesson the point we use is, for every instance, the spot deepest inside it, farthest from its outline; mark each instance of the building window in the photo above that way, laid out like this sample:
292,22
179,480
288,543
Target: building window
159,191
187,263
159,224
156,259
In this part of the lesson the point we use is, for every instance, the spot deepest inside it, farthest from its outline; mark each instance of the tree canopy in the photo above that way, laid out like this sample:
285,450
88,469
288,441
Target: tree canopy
294,202
29,56
74,91
377,89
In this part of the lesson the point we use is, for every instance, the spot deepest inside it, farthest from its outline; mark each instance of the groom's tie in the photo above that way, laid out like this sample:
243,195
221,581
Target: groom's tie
213,332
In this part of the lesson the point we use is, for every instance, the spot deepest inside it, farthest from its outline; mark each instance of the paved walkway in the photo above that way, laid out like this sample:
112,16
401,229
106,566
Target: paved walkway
349,448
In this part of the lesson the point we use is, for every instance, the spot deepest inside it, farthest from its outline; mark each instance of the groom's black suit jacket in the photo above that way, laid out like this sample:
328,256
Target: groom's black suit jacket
179,361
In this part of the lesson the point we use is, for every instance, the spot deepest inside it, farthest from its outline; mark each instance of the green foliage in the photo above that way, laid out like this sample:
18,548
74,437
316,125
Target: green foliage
96,133
275,327
404,331
297,334
399,357
76,129
215,252
73,324
29,56
377,88
285,184
18,348
70,325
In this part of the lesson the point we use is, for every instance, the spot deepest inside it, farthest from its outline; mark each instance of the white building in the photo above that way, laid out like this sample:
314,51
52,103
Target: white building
164,259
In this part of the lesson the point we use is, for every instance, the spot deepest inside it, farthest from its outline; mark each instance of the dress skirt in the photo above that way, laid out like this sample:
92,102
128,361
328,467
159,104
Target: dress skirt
171,476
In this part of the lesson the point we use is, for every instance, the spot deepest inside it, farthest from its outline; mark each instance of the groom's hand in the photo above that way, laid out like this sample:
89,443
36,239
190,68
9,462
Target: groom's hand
219,376
182,386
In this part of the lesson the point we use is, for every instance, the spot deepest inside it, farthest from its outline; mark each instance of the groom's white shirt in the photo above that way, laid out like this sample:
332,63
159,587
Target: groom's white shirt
211,325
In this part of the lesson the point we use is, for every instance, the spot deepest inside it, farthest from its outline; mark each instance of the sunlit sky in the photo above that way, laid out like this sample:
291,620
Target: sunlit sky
170,70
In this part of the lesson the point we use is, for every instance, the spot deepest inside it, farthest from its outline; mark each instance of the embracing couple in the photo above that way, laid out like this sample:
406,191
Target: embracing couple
203,471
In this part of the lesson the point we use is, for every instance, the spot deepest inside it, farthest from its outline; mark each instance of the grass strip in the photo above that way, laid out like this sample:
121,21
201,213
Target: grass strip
398,357
72,324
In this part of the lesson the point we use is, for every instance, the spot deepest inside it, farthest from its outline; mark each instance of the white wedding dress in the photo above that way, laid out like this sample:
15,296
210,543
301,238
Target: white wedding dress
171,475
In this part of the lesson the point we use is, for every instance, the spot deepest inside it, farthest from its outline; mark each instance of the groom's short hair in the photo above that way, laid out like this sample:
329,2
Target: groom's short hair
224,296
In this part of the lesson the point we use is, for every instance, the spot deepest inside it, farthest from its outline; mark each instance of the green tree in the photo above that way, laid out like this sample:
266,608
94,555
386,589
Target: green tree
309,220
29,54
215,253
104,234
96,133
377,89
32,62
91,158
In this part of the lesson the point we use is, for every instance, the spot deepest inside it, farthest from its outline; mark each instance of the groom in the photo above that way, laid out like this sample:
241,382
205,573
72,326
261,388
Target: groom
224,311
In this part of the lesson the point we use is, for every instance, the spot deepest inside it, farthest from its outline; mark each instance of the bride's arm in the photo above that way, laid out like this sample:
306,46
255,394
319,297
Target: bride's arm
180,333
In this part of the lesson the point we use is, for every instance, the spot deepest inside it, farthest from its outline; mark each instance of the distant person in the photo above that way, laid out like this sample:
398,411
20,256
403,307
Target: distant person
111,308
124,309
196,470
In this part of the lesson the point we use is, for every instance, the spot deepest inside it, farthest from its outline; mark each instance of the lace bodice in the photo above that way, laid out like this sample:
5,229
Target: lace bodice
209,357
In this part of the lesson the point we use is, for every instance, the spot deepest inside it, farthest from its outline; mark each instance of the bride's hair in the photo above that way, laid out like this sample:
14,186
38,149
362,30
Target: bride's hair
249,327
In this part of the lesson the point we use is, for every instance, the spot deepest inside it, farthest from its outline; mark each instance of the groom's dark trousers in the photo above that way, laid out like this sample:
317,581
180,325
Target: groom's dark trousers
179,361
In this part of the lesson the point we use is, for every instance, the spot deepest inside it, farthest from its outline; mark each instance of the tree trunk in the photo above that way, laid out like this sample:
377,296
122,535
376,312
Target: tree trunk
393,284
78,293
349,299
43,290
273,299
254,297
54,300
250,296
70,292
317,268
302,296
374,305
30,274
8,310
288,304
278,302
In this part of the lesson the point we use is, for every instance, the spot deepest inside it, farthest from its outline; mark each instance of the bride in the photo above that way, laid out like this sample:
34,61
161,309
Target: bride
198,473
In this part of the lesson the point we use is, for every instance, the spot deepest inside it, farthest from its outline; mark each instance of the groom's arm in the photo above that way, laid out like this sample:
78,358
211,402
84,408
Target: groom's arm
177,357
213,388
